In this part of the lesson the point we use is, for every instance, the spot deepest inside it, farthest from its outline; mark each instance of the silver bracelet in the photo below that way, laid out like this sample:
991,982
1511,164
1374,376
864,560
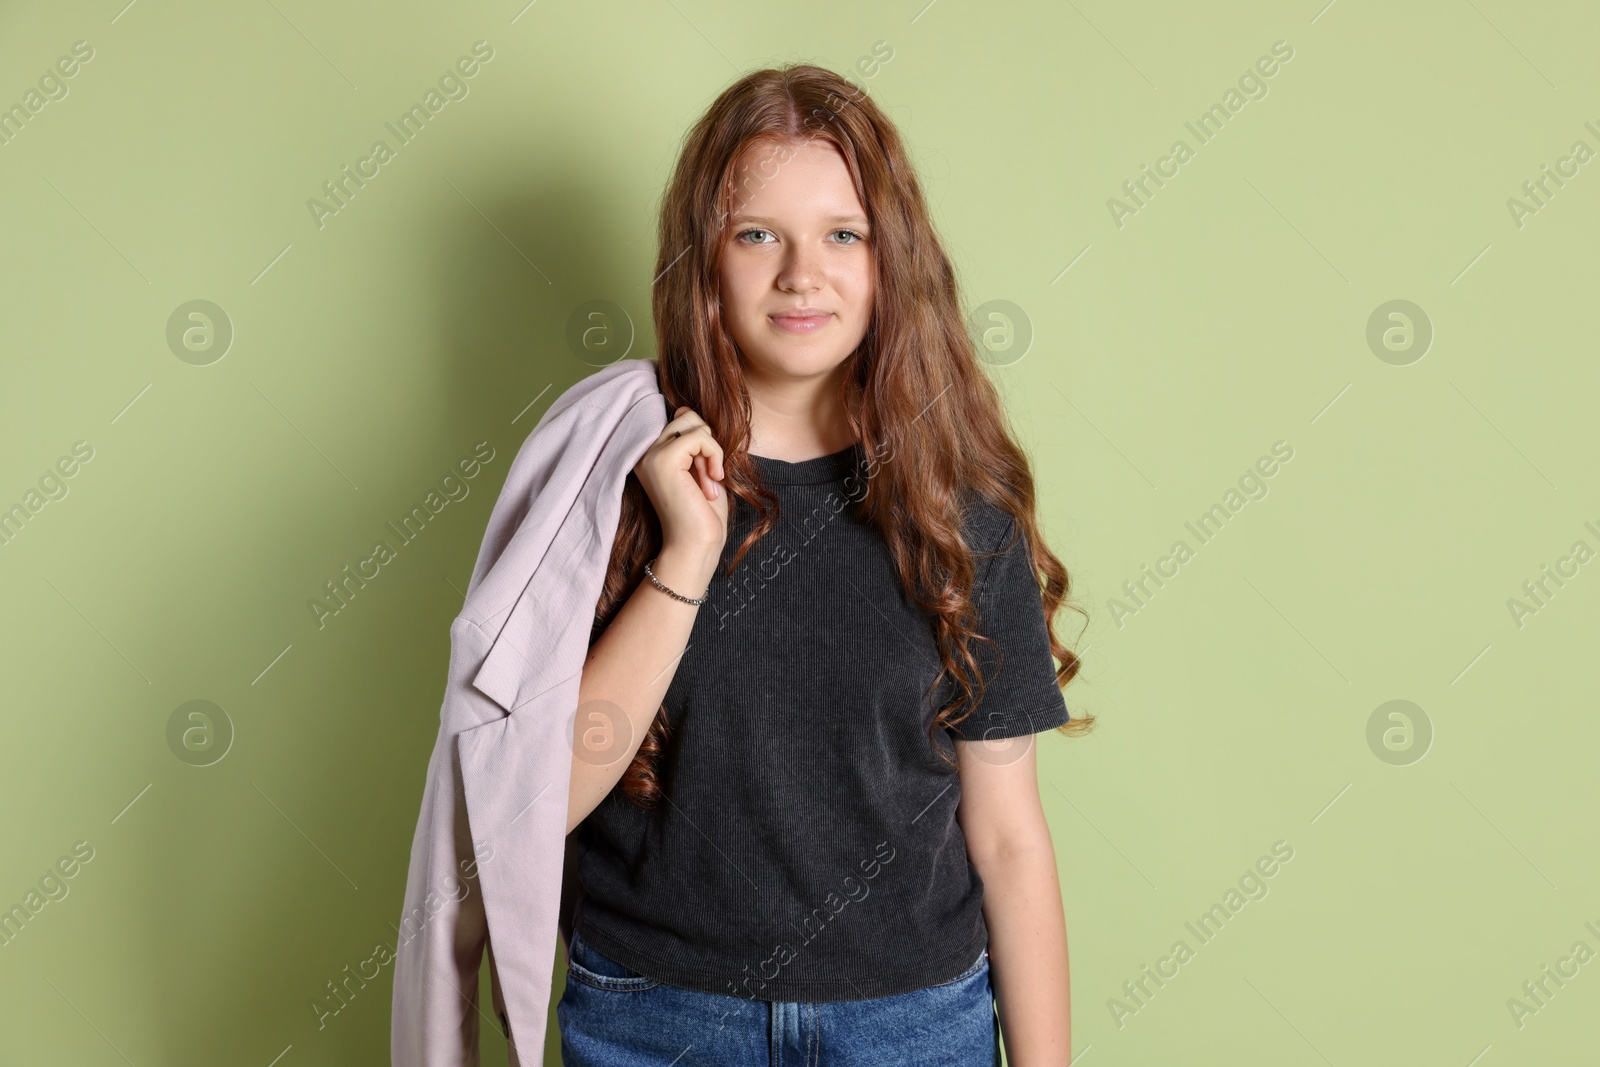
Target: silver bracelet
669,592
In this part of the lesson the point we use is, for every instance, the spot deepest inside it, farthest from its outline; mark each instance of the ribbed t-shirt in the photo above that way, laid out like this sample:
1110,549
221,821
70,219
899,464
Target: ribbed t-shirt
807,848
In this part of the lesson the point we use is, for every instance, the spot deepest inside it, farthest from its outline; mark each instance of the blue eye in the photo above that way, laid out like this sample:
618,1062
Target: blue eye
857,237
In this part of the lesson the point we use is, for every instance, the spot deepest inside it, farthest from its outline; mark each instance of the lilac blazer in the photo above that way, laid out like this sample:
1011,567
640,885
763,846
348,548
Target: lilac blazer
488,858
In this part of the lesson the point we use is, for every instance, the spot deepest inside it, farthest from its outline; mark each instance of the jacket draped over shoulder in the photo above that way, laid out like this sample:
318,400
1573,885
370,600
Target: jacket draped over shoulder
488,855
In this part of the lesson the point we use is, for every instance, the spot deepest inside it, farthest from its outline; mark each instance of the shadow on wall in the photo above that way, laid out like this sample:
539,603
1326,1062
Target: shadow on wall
521,323
343,733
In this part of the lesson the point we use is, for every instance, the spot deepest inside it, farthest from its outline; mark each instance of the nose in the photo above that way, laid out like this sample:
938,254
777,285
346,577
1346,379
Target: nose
800,273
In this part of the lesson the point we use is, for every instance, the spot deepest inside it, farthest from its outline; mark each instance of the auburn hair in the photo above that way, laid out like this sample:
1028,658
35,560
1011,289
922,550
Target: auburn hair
914,390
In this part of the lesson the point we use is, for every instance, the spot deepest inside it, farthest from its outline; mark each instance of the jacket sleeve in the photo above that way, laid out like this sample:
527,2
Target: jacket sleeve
486,866
443,929
437,1012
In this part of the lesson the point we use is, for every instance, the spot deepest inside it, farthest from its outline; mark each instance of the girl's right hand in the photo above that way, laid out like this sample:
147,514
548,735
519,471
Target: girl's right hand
682,474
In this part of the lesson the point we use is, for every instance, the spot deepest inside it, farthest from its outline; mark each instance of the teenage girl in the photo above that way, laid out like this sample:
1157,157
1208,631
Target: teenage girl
803,786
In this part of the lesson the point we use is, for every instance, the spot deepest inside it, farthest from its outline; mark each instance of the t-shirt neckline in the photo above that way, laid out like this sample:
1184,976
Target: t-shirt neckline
822,469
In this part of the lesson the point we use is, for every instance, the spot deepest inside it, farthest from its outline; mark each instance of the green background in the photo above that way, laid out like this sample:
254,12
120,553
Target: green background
1229,313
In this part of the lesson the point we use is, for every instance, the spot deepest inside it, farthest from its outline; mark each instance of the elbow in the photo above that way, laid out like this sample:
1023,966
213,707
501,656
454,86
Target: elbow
1007,852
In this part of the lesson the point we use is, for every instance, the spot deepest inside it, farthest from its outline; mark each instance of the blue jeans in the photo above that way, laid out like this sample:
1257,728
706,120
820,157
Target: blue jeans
611,1016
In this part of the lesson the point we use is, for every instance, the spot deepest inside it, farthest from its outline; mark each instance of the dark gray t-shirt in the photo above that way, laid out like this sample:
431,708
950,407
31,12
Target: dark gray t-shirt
807,848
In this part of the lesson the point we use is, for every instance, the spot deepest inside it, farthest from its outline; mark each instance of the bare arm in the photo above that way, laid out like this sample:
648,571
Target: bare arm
630,666
1008,842
626,675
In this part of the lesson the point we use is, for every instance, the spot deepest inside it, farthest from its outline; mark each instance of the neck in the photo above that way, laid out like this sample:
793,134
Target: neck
795,419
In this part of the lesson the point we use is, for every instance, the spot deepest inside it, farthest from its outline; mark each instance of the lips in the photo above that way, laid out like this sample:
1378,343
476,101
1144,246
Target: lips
801,320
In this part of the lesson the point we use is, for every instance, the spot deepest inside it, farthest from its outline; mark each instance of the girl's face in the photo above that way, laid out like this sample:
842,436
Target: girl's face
798,271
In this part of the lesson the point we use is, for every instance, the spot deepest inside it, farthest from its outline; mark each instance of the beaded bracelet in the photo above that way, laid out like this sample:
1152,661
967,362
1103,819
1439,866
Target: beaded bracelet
667,591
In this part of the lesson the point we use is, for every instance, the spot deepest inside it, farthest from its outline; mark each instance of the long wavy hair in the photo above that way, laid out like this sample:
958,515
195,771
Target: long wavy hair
914,390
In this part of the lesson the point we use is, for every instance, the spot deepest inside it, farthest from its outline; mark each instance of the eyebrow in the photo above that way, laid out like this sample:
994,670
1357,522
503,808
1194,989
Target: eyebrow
771,222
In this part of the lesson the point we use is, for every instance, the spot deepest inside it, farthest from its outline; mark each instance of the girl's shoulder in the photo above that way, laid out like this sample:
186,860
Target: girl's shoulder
985,524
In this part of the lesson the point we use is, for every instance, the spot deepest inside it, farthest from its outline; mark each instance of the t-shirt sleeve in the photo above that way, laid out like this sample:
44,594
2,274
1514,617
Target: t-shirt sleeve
1020,695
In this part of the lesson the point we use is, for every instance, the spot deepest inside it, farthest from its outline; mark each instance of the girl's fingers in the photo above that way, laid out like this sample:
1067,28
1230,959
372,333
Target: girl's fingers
702,475
707,465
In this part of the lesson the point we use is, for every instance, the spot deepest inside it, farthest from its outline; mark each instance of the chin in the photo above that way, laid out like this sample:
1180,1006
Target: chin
797,360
